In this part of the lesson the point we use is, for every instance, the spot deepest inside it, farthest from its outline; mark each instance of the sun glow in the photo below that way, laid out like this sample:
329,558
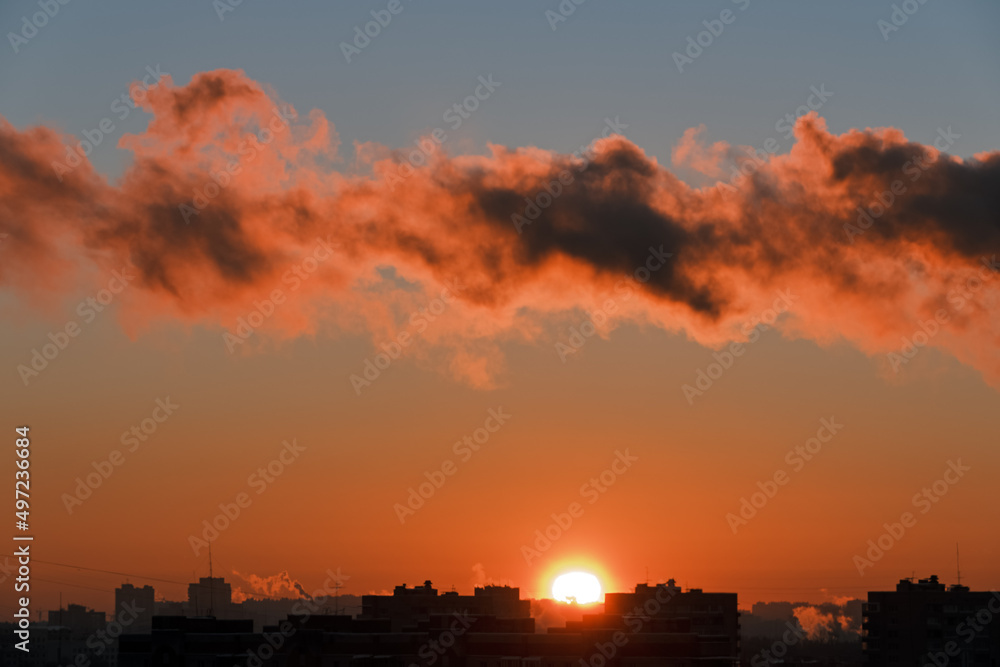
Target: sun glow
579,587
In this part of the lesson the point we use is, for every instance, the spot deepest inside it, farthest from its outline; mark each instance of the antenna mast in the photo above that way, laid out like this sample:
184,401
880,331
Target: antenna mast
958,564
336,597
211,592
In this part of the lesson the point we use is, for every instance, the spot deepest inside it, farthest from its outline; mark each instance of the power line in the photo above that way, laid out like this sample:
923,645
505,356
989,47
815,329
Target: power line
63,583
94,569
127,574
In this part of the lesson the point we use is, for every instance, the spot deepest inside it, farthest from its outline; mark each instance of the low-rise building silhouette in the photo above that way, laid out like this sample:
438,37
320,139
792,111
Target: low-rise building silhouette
71,632
80,620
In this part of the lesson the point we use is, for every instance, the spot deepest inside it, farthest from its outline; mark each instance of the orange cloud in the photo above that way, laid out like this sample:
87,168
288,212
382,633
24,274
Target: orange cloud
278,585
691,152
823,625
230,193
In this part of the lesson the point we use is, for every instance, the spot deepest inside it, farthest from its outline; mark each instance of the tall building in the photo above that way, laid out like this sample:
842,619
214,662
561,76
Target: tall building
141,601
211,596
922,622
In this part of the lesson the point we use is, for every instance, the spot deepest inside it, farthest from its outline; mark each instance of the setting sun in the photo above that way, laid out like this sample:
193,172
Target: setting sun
579,587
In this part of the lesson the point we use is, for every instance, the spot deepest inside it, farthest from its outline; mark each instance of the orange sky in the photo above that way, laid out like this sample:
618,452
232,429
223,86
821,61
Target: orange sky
342,267
333,507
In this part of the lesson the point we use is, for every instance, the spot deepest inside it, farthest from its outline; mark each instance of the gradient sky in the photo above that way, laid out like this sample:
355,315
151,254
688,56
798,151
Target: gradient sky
333,507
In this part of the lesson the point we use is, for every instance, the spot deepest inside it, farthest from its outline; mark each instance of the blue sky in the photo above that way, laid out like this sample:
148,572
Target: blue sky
607,58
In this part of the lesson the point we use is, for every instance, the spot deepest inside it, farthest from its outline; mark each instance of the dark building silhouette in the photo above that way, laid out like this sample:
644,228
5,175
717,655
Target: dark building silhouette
922,622
298,640
713,616
169,608
141,601
80,620
657,625
638,639
453,640
407,607
177,641
71,632
211,596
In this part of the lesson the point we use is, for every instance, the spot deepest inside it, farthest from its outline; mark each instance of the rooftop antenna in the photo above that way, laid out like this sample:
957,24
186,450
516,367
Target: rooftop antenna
59,649
647,575
211,612
958,564
336,597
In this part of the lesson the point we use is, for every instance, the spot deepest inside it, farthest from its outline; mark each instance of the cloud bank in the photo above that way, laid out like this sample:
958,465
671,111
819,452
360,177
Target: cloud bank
231,194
